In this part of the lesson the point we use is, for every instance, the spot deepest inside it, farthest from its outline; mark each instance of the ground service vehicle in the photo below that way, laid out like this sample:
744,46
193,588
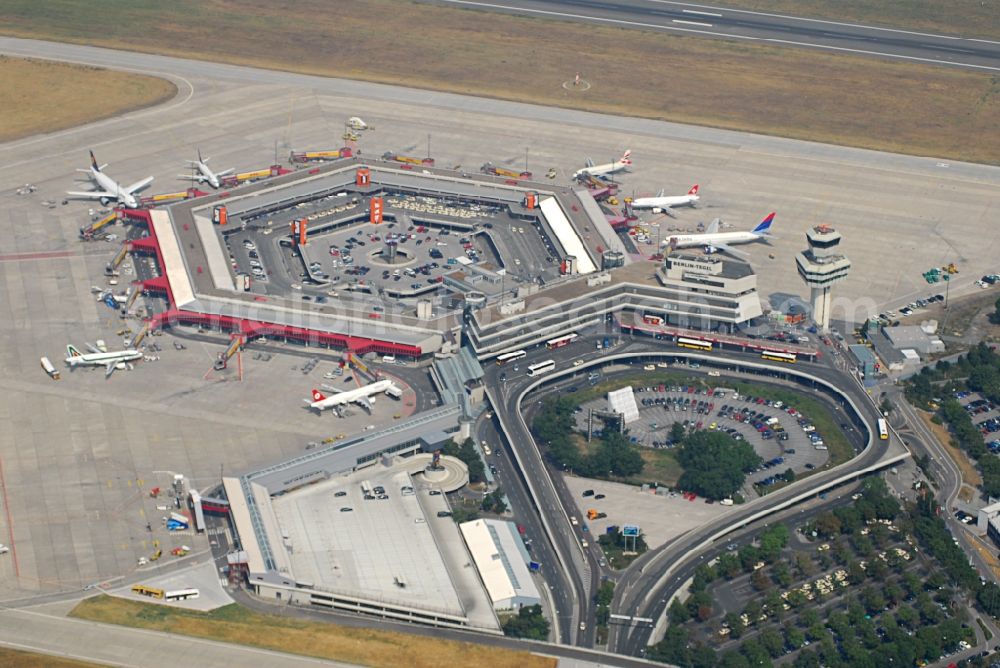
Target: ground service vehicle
540,368
180,594
49,369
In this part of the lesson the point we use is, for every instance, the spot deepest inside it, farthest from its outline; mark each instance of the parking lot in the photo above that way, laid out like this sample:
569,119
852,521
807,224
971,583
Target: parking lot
781,436
985,415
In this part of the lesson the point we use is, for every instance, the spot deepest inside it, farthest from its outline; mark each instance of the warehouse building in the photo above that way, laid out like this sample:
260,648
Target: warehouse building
502,562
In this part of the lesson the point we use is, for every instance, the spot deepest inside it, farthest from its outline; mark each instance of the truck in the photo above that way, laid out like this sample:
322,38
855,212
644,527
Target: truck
490,168
49,369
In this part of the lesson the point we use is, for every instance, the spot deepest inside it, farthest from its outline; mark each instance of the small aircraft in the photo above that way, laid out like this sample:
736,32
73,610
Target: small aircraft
109,360
664,203
108,190
606,169
360,396
713,240
204,174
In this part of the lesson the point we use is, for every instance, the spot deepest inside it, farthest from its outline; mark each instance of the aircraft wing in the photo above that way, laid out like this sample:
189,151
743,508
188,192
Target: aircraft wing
92,194
92,348
226,172
110,368
139,185
725,248
713,227
191,177
364,403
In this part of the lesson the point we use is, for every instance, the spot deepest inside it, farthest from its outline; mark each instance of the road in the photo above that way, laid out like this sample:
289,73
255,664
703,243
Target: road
763,27
642,585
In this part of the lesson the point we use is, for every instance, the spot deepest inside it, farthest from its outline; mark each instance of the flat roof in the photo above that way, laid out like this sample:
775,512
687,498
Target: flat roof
381,549
173,260
500,564
566,235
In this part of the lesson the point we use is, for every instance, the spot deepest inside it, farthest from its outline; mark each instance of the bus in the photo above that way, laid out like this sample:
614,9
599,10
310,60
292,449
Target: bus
652,319
180,594
147,591
511,357
883,429
541,367
561,341
775,356
697,344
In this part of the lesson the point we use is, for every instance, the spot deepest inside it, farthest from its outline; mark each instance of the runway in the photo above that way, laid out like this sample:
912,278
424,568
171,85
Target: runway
760,27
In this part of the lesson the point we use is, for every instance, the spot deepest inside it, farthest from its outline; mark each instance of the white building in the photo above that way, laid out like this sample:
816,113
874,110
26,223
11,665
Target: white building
708,292
502,562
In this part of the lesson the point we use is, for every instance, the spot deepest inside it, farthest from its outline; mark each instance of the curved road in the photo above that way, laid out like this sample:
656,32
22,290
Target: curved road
766,28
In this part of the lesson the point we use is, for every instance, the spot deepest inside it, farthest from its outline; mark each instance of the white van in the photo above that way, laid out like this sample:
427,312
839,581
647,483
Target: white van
388,359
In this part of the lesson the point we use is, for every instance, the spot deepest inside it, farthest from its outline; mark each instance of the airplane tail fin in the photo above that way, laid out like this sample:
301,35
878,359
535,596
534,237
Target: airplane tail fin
694,190
627,157
317,395
93,162
199,156
72,351
765,225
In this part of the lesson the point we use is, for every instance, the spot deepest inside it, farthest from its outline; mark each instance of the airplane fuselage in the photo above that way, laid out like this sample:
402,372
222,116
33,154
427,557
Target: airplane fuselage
112,188
208,176
344,398
601,170
721,238
103,359
664,202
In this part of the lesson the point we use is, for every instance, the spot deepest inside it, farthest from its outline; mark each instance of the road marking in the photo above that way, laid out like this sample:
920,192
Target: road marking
984,41
879,53
693,23
692,11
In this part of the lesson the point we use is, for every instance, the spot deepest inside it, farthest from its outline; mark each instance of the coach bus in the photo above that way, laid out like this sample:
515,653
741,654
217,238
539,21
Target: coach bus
181,594
697,344
883,429
147,591
775,356
541,367
511,357
561,341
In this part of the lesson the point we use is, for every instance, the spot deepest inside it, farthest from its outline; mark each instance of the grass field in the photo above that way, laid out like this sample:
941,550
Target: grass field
838,99
42,96
366,647
12,658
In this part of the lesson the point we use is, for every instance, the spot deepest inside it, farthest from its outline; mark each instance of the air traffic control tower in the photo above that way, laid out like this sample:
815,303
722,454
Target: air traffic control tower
821,266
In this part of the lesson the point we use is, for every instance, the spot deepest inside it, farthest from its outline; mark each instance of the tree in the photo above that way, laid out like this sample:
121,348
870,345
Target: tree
827,525
673,647
470,457
715,465
678,612
735,624
772,642
759,580
528,623
794,637
677,432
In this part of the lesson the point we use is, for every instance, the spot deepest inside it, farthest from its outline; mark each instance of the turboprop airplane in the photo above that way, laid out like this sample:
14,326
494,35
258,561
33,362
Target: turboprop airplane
108,190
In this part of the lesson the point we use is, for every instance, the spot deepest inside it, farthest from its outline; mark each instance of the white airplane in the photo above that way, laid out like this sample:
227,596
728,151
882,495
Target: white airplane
606,169
109,360
664,203
359,396
205,175
713,240
109,190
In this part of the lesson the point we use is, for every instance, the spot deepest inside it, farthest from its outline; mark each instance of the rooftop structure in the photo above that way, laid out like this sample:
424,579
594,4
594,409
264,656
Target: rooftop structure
821,266
502,562
915,338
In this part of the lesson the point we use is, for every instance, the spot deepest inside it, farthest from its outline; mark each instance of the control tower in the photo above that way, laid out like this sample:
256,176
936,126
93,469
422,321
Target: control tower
820,266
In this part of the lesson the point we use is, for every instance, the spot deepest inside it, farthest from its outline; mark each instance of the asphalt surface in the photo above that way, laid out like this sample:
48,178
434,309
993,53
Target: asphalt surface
767,28
639,589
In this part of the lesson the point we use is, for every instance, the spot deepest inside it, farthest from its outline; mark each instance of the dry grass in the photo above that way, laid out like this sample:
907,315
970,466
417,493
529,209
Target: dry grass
839,99
43,96
970,476
12,658
367,647
988,555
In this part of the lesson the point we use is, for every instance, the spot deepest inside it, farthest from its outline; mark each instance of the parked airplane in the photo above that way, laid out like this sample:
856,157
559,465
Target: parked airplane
606,169
713,240
664,203
109,190
109,360
205,175
359,396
